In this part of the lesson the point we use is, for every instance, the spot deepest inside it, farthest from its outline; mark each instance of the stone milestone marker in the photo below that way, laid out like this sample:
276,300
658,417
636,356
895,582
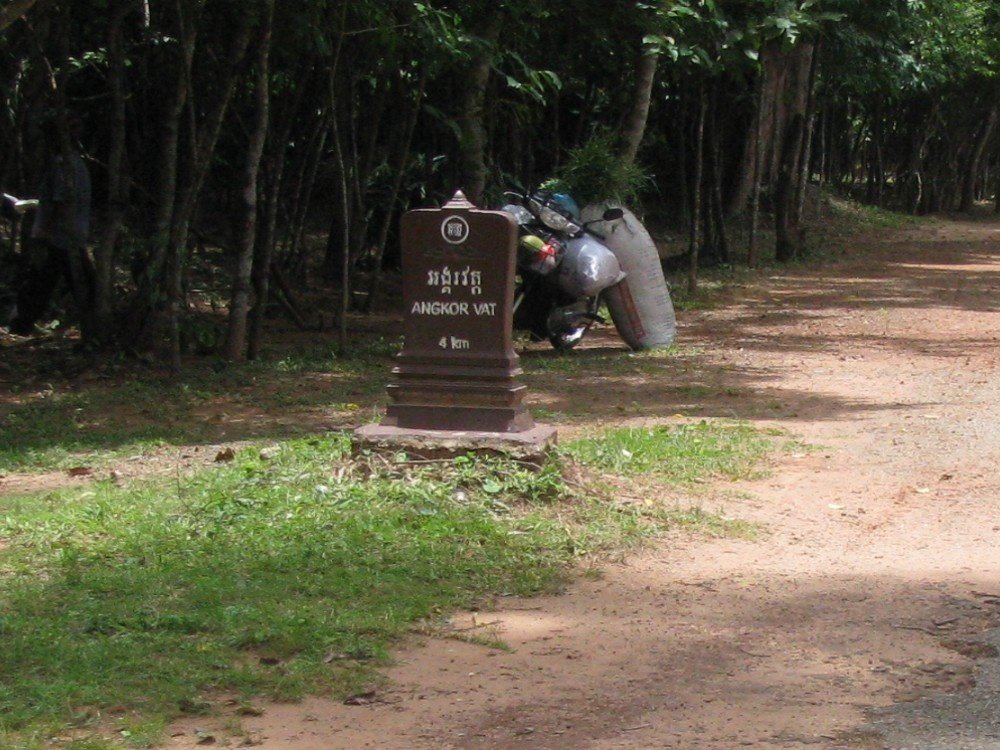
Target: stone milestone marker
456,383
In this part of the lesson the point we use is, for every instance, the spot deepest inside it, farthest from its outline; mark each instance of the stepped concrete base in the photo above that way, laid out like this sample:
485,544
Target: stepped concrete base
530,445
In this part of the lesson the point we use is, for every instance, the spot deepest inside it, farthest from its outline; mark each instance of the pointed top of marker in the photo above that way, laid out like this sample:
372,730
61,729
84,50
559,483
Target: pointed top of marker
458,200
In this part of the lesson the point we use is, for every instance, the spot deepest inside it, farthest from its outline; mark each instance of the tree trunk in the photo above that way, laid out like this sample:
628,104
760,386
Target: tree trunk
148,293
788,241
696,192
303,193
975,160
760,141
472,141
634,126
757,169
404,156
805,159
240,302
681,130
203,142
267,238
104,251
81,272
345,199
717,218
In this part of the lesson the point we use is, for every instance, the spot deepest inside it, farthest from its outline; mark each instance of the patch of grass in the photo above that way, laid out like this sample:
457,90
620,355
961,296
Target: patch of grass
700,521
91,743
872,217
682,454
293,573
56,428
142,732
325,358
247,577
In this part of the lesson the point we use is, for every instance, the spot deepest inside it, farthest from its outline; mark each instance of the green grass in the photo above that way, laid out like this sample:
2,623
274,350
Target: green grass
294,574
275,577
680,454
57,430
864,216
51,428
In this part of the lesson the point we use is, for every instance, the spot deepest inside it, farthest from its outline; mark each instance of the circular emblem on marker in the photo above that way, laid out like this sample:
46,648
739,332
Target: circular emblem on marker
455,230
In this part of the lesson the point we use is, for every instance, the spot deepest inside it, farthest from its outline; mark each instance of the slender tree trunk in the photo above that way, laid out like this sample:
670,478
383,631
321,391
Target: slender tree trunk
753,254
760,142
805,159
240,302
390,214
203,141
472,141
880,163
720,240
345,207
863,131
267,237
683,183
975,160
635,123
303,193
915,198
148,293
80,270
787,236
779,103
104,251
696,192
787,241
749,161
823,147
366,115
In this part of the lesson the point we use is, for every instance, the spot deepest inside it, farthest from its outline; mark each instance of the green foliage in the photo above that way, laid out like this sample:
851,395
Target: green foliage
891,77
595,172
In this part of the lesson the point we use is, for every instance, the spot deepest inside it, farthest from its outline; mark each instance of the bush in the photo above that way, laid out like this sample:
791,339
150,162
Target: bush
595,172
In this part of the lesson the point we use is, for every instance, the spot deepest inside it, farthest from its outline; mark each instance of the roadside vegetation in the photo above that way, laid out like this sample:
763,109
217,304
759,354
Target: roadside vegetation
242,153
293,567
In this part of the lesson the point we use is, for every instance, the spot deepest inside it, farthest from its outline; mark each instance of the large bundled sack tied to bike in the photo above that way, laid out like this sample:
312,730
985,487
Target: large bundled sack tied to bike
588,267
640,306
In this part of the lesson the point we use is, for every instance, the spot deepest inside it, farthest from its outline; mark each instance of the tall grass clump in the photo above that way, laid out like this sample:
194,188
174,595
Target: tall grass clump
595,172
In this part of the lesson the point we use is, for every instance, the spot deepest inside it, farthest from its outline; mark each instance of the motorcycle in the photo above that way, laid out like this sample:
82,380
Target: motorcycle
564,268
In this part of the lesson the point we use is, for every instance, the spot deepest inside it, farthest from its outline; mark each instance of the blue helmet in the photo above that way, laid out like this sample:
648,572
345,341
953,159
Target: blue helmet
566,201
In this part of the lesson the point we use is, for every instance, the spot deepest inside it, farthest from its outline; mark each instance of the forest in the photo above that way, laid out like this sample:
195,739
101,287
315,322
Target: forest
240,151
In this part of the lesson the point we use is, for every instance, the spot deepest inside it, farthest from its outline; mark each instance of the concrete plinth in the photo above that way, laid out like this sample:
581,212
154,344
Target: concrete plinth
530,445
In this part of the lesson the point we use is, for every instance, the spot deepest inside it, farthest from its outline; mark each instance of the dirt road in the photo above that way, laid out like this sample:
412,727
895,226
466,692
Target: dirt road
879,571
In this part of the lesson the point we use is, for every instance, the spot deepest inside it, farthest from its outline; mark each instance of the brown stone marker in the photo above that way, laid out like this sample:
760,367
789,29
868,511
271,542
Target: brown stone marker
456,380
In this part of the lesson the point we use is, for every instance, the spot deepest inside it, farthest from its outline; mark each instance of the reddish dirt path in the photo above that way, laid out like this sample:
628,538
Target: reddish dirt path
880,545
